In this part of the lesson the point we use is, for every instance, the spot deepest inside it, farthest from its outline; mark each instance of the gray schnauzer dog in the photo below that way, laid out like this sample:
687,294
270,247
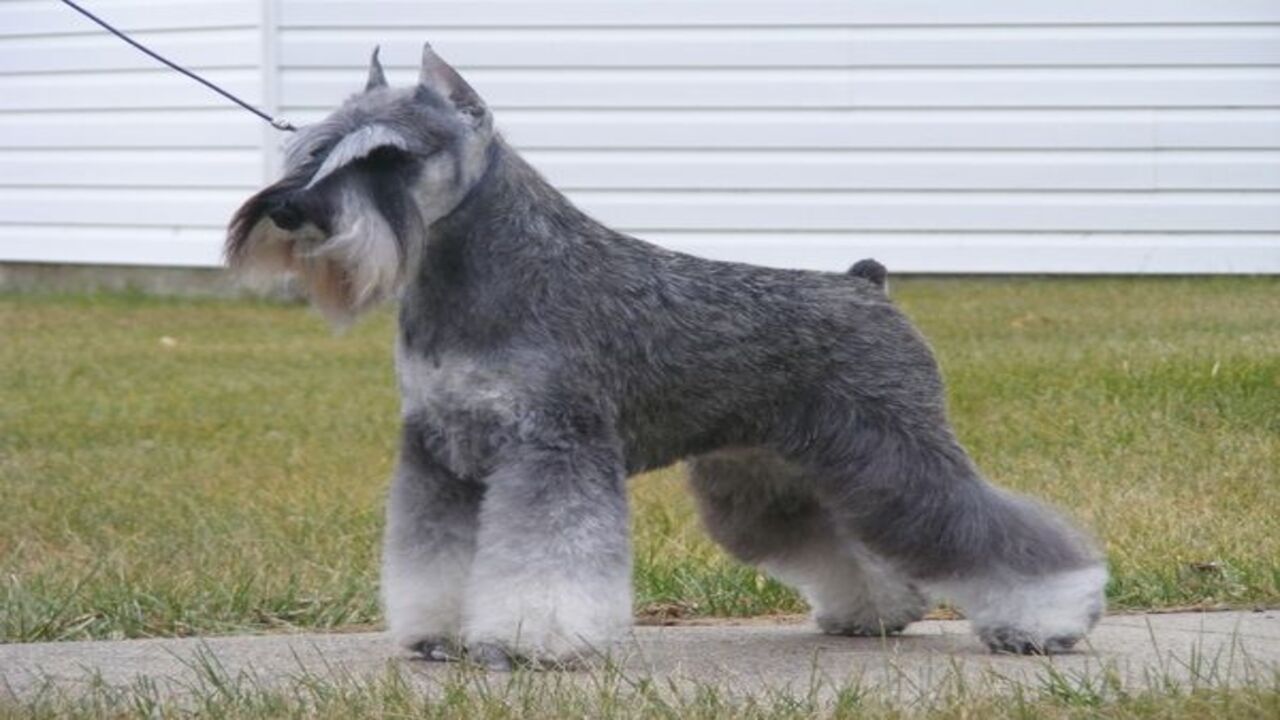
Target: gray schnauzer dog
542,358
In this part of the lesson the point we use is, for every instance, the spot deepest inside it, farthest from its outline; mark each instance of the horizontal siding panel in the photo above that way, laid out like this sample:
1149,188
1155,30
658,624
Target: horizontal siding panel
1086,253
207,128
194,49
902,211
1235,128
1256,170
829,88
241,169
1079,253
845,170
119,207
790,47
773,211
1082,129
140,90
516,13
39,17
173,246
873,129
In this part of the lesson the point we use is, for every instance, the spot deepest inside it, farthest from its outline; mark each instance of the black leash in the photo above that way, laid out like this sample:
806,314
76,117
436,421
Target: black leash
277,123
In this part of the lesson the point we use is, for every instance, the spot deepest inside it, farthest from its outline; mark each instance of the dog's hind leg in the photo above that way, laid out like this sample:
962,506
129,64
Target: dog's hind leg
764,512
428,548
1027,580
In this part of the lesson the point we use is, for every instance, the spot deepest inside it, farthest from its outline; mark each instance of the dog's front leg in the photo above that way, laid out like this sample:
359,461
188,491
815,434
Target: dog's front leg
432,517
551,582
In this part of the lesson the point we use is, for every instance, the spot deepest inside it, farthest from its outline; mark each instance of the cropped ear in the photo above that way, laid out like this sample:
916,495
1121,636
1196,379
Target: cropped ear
440,77
377,78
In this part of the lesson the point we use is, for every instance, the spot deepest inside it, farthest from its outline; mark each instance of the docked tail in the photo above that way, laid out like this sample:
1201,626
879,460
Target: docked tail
869,269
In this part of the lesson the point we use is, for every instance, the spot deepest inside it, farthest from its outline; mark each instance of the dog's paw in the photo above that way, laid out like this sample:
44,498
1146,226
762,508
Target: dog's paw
840,626
502,655
500,658
546,621
887,612
1033,615
1008,640
492,656
437,650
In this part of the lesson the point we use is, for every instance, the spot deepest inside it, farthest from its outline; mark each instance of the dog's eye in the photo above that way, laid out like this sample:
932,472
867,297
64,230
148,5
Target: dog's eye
387,154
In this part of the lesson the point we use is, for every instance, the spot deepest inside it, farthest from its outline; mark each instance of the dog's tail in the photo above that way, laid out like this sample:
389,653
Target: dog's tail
869,269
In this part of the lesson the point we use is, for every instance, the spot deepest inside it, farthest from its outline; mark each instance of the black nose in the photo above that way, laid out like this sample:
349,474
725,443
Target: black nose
286,215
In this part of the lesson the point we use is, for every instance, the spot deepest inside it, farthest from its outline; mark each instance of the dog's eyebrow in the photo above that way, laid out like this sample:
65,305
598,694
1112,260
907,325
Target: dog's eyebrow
356,145
308,139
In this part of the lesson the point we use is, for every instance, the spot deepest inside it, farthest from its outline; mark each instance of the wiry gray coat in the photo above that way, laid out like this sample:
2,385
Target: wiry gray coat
543,358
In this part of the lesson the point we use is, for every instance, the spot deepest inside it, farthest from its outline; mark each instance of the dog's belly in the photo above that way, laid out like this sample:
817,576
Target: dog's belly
655,435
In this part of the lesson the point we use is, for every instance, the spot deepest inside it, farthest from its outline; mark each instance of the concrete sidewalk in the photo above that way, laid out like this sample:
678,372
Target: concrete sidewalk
1215,649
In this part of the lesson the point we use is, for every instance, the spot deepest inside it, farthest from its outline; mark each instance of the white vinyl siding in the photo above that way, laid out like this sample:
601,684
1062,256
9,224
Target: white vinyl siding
107,156
986,136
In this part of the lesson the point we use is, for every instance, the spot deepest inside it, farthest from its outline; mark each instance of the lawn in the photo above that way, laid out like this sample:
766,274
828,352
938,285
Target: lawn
170,467
466,692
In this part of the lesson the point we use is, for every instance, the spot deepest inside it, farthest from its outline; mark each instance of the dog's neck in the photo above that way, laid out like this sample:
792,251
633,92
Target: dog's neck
512,201
481,263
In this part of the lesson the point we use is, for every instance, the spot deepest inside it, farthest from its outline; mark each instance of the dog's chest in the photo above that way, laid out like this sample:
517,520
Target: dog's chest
464,411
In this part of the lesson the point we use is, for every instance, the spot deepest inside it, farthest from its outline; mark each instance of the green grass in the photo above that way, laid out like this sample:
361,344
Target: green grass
466,692
174,467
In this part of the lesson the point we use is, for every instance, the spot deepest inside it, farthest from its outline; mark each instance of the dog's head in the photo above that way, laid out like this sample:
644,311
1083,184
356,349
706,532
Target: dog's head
362,188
